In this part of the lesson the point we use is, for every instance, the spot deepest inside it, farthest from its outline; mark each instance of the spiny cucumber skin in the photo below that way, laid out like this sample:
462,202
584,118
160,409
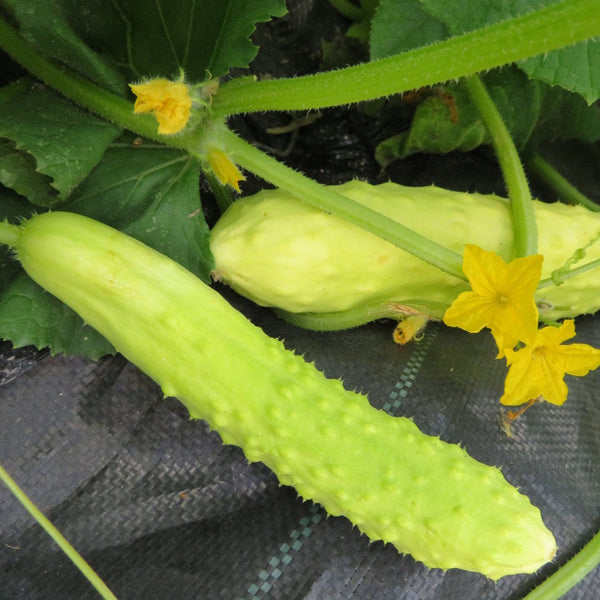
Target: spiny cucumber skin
427,497
287,254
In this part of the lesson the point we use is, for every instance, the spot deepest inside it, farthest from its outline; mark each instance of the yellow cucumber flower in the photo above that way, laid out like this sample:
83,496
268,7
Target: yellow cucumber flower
538,369
170,101
224,169
501,297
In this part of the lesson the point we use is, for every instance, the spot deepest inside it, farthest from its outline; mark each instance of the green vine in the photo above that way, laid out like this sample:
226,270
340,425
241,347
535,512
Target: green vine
556,181
524,223
58,538
570,574
486,48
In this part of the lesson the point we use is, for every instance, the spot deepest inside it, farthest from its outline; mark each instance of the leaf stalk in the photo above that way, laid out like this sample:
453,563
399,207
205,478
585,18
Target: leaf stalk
523,215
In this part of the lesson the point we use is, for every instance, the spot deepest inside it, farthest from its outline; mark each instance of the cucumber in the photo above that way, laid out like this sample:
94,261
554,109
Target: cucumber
427,497
287,254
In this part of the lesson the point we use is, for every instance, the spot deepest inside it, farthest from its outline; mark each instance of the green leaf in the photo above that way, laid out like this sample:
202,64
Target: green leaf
13,208
567,116
47,27
360,28
31,316
149,192
400,25
28,314
575,68
447,120
532,111
152,194
65,142
159,38
17,171
467,15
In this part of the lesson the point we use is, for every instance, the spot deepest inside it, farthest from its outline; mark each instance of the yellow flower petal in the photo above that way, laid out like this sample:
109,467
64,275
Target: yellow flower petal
225,170
572,359
501,297
539,369
170,101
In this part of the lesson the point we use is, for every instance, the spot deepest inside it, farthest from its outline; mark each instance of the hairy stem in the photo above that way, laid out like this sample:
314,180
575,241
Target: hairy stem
523,216
62,543
324,198
499,44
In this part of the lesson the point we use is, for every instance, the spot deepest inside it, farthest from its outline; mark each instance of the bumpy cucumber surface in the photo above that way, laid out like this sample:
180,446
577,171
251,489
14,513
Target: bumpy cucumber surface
283,253
427,497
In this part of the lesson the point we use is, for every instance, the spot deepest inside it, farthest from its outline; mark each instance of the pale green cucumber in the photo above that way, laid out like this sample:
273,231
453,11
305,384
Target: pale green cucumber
427,497
286,254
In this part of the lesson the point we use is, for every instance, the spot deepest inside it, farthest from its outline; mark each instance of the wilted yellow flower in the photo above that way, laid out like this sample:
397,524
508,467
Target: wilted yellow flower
539,368
170,101
501,297
225,170
409,329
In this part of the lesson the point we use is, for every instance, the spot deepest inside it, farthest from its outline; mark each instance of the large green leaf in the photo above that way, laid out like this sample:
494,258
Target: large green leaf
17,171
151,193
576,68
46,26
401,25
155,38
533,112
64,141
31,316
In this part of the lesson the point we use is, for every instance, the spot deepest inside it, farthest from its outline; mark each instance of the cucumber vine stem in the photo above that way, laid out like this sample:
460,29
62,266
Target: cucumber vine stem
58,538
523,215
589,266
486,48
562,186
9,234
325,198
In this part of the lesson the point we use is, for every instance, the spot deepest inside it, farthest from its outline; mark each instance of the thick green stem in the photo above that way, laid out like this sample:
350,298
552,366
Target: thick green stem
552,178
535,33
523,216
570,574
324,198
62,543
9,234
347,319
